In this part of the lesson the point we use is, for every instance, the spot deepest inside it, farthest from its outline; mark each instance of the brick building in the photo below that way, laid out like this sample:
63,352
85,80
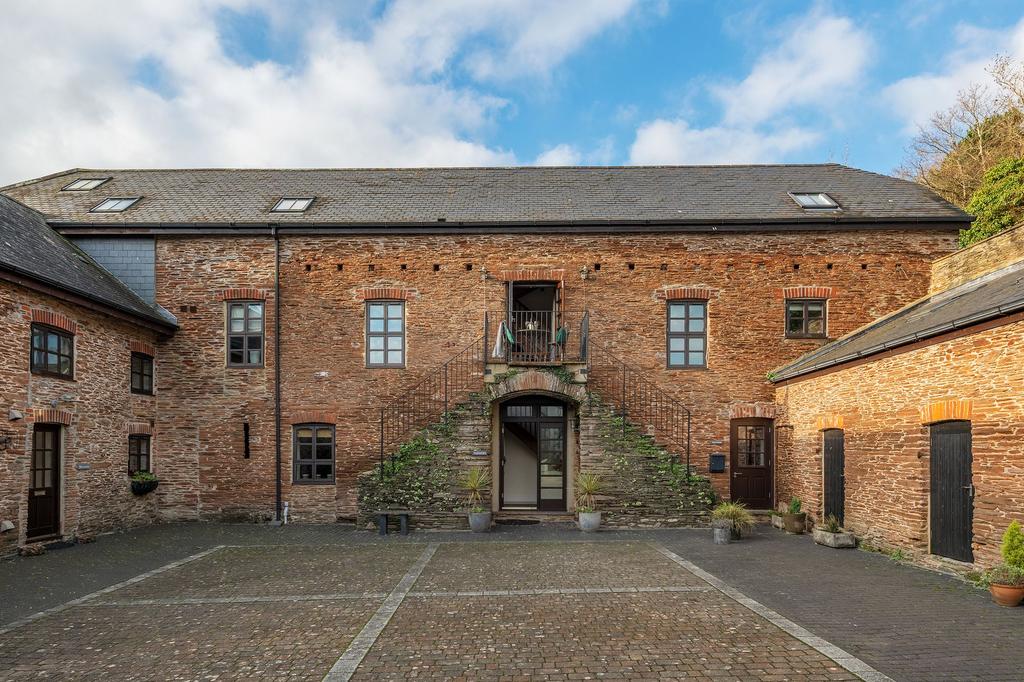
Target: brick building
911,429
301,324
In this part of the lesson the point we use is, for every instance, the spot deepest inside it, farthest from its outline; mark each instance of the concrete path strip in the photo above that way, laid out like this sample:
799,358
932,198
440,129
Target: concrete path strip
106,590
346,665
846,660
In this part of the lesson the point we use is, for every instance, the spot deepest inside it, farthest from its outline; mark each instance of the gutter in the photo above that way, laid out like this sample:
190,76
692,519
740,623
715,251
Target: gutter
278,511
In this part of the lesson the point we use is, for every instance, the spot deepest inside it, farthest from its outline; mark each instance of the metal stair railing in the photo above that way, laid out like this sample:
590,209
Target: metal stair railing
427,401
639,400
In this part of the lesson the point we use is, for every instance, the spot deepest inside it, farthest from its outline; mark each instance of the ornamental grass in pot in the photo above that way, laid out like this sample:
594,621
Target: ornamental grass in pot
1006,581
588,485
477,482
794,520
730,521
830,534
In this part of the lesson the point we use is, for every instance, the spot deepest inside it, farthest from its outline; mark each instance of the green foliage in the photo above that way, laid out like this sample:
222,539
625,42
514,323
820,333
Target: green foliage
1012,548
1004,574
144,477
588,485
476,481
735,512
831,524
561,373
794,505
897,555
998,202
421,475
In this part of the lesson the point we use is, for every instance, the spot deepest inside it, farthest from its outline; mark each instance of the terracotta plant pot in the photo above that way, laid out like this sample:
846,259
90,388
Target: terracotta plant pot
795,523
1006,595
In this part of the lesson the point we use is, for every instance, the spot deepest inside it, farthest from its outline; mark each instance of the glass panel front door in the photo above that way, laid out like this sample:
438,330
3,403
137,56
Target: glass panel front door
533,454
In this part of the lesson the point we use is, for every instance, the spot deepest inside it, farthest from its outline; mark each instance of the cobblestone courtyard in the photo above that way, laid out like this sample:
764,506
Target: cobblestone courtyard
344,605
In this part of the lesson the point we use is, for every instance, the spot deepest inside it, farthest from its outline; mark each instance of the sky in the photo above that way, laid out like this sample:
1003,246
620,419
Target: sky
349,83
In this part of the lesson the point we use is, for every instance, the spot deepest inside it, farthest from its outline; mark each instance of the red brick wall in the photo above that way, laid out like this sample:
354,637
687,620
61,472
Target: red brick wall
98,405
887,446
204,403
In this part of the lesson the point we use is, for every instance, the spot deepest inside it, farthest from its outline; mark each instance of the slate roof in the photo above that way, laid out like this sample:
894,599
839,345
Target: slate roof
991,296
30,248
684,195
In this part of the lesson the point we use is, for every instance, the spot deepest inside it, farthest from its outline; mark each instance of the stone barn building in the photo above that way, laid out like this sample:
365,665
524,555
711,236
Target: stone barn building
911,429
269,338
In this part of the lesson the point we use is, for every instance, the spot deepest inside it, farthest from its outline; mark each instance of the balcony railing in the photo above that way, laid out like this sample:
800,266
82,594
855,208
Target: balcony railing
537,337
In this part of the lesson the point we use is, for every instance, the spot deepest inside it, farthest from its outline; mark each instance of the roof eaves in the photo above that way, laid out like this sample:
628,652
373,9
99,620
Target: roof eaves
41,178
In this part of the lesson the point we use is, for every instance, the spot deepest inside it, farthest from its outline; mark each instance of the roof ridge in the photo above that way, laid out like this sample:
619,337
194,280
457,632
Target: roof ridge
257,169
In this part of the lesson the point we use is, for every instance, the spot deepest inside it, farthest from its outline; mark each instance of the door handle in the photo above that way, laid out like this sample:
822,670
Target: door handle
970,488
737,474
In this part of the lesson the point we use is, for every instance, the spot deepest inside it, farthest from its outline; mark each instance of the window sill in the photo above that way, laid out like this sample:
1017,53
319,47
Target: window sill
331,482
48,375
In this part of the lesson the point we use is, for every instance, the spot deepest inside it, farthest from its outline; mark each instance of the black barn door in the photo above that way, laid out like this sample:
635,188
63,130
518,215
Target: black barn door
952,490
835,478
44,482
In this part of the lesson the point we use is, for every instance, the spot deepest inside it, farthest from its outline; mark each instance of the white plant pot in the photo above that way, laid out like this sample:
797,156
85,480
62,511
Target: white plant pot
836,540
589,521
480,522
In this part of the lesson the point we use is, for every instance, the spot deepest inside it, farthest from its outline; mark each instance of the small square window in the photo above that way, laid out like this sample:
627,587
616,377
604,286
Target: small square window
291,205
83,184
313,454
52,352
814,200
806,319
115,204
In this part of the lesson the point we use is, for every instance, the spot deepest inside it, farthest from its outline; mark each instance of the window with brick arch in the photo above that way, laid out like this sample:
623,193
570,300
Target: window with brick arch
313,453
52,352
806,318
687,334
385,333
138,453
245,334
142,373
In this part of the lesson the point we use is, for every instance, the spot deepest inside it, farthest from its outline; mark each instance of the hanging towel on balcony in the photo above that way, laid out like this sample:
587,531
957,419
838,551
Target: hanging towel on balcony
504,335
562,335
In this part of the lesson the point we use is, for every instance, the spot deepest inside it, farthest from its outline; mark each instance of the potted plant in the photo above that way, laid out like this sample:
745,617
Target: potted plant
729,521
476,482
587,486
144,482
795,521
831,534
1006,581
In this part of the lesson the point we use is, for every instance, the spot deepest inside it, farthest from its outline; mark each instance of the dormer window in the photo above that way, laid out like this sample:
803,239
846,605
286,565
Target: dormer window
814,200
83,184
292,205
115,204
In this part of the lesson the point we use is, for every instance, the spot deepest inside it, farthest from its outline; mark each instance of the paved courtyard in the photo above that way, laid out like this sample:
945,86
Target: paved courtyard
204,602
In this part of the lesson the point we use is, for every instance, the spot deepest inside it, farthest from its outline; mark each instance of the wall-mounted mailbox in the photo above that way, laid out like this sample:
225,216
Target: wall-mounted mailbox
716,465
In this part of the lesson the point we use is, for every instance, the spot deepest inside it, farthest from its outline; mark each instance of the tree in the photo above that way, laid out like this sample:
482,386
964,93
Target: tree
998,203
952,154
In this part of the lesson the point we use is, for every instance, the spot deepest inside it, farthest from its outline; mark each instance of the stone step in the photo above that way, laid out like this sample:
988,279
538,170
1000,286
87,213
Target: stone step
513,517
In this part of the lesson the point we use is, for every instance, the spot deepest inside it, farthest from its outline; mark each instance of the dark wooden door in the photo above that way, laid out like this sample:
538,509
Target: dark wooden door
835,477
952,490
751,465
44,482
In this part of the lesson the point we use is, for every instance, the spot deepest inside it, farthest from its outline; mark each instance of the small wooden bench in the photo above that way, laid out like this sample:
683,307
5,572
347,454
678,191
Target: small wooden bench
385,514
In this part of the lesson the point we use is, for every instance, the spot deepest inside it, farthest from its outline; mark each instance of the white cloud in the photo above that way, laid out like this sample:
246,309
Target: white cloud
666,142
822,55
561,155
380,94
916,98
819,54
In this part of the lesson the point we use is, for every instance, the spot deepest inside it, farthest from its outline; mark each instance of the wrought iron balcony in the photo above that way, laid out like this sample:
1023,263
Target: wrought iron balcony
536,337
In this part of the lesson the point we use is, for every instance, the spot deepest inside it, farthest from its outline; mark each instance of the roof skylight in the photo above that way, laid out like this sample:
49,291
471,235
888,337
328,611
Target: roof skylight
83,184
813,200
291,205
114,204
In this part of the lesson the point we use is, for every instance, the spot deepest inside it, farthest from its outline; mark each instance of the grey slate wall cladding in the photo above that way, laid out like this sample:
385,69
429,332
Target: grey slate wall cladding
131,259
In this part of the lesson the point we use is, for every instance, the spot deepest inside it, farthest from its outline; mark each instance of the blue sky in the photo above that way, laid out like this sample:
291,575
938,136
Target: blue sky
475,82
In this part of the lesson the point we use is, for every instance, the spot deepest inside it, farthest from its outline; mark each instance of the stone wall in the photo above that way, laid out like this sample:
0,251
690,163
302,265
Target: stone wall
883,407
96,409
988,255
